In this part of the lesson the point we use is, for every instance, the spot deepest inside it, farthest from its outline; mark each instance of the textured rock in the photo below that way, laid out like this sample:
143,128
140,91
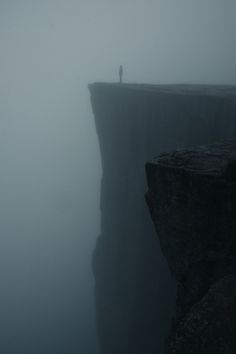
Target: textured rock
192,199
210,325
135,294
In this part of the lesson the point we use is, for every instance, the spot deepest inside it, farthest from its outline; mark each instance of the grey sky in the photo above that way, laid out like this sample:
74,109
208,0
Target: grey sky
50,163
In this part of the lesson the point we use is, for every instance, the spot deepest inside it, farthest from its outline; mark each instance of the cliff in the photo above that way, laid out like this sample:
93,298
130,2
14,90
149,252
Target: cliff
135,293
192,199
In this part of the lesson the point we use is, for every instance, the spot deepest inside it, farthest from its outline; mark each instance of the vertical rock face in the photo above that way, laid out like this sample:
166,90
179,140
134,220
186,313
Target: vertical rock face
135,294
192,199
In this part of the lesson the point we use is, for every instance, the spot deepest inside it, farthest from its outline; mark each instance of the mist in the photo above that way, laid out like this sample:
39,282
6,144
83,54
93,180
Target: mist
49,154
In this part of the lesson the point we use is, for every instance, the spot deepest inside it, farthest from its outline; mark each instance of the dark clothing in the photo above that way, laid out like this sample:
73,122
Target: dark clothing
121,74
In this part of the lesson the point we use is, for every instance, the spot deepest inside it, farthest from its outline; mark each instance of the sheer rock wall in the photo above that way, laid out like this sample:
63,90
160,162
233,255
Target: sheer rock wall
135,293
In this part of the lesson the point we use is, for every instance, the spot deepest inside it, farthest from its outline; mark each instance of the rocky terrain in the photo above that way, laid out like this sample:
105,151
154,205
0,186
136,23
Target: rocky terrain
192,200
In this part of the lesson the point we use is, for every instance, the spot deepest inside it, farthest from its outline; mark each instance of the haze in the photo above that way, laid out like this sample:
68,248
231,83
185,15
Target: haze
50,161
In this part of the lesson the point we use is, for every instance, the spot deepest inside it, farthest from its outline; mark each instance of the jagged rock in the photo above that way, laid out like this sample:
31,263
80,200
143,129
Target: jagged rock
135,294
192,199
210,325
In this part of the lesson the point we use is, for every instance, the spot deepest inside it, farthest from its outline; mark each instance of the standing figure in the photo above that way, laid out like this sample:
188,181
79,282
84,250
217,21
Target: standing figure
121,74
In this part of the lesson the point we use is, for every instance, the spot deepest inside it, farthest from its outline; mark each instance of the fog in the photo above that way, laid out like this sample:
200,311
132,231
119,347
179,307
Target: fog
50,168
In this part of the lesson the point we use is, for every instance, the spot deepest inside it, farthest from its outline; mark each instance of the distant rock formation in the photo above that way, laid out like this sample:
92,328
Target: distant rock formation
192,200
135,294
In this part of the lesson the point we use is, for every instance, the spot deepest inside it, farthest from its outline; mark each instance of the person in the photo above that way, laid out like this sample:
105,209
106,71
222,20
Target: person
121,74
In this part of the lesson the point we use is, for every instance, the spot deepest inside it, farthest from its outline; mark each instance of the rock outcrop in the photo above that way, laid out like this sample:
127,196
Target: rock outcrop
192,199
135,293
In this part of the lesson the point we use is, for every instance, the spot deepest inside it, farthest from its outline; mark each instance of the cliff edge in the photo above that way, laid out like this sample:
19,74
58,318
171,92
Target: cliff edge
135,293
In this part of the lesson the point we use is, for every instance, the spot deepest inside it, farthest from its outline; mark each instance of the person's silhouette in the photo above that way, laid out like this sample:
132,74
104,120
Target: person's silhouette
121,74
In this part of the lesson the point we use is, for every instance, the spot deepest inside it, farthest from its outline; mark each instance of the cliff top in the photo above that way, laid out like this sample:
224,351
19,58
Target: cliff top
217,159
224,91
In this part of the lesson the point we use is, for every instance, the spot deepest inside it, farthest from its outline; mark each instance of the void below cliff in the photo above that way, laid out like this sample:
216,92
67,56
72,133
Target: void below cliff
135,293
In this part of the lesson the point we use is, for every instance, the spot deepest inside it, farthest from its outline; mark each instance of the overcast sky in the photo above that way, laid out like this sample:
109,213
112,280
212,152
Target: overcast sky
50,50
